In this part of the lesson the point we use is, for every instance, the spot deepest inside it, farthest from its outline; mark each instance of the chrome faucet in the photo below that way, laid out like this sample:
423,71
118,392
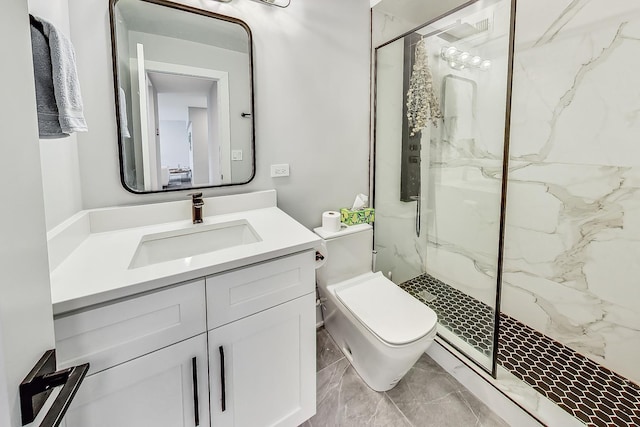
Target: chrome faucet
196,207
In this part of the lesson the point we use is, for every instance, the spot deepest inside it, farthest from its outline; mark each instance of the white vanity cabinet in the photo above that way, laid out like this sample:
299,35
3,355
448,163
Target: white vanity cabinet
262,343
157,358
148,357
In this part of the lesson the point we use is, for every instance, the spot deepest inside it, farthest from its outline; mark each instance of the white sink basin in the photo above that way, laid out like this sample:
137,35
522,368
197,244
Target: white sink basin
188,242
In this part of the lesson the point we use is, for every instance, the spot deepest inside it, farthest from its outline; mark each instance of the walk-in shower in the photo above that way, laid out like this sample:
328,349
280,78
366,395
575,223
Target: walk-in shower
440,115
551,267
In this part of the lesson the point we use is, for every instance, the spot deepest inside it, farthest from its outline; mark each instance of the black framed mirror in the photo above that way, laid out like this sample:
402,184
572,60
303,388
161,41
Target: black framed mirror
184,96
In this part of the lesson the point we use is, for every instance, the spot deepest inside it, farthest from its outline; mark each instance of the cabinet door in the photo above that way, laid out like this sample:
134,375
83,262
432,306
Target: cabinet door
269,367
153,390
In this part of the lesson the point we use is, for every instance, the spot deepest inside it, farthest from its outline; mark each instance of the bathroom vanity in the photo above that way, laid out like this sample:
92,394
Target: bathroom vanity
224,337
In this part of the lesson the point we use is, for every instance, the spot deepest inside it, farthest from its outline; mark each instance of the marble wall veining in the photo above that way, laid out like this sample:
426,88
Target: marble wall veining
572,239
572,246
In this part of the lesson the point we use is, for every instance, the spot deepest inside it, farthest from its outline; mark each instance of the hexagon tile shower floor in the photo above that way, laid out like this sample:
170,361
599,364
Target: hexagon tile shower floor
586,390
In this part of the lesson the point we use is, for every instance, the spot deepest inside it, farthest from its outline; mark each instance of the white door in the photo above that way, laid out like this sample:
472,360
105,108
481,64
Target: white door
158,389
199,139
146,137
26,320
153,135
269,367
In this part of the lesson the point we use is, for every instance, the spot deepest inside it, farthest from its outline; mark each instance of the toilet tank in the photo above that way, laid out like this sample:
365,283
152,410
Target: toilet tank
349,254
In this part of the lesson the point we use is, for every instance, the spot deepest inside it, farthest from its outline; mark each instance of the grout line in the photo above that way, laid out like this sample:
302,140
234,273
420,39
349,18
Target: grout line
399,410
337,348
329,365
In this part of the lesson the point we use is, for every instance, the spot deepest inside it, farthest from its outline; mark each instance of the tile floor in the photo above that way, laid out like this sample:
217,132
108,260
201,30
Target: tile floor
426,396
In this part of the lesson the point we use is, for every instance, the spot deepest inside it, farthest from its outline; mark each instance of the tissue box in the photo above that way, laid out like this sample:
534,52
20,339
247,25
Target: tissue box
363,216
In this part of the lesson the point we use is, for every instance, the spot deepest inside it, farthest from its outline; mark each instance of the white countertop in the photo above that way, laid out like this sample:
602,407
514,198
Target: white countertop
97,270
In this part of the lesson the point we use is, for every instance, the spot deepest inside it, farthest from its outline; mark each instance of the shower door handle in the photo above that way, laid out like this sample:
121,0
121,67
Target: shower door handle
418,212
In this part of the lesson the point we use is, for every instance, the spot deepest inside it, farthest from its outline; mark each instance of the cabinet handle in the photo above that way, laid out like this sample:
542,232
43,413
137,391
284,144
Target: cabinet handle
196,406
222,380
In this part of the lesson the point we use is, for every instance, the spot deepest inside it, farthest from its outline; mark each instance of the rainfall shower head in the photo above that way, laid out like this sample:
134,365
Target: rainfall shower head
463,30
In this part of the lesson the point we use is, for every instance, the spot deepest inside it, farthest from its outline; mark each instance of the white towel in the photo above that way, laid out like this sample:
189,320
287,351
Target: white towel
59,102
124,122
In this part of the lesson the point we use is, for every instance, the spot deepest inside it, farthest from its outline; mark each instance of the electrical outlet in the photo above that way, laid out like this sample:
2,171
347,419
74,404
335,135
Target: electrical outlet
279,170
236,155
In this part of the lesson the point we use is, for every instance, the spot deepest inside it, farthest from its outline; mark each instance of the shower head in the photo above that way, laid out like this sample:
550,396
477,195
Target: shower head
463,30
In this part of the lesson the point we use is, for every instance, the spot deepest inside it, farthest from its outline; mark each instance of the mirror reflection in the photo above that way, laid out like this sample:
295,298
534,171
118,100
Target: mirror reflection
184,97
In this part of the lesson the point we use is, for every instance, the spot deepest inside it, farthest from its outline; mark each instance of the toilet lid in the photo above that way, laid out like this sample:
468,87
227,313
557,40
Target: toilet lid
387,311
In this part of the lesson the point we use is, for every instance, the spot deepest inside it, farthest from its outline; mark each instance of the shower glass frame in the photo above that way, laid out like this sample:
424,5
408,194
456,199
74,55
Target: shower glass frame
492,369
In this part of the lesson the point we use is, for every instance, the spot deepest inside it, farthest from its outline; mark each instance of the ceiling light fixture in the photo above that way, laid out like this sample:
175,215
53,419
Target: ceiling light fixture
460,60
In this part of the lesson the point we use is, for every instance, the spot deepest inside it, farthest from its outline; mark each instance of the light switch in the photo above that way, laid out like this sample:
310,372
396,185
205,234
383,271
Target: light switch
236,155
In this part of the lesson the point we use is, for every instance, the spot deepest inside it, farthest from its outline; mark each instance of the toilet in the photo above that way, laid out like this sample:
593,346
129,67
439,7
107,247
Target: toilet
381,329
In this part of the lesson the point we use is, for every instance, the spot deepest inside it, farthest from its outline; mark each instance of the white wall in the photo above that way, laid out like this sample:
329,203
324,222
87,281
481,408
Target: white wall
215,171
312,94
174,144
174,118
61,179
26,319
5,401
175,106
59,157
199,145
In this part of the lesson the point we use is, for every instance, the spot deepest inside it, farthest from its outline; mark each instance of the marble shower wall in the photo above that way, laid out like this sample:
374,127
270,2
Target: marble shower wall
464,156
461,161
572,243
400,251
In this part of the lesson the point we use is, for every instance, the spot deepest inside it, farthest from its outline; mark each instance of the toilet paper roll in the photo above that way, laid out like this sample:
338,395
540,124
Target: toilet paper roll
321,255
331,221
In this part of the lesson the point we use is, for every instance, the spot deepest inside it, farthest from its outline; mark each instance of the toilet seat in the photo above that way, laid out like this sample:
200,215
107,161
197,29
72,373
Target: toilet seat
386,310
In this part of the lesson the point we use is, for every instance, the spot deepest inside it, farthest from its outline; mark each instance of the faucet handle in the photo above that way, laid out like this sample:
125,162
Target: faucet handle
196,197
196,200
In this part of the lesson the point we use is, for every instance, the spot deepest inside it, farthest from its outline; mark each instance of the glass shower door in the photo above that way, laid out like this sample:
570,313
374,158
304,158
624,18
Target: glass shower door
441,104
